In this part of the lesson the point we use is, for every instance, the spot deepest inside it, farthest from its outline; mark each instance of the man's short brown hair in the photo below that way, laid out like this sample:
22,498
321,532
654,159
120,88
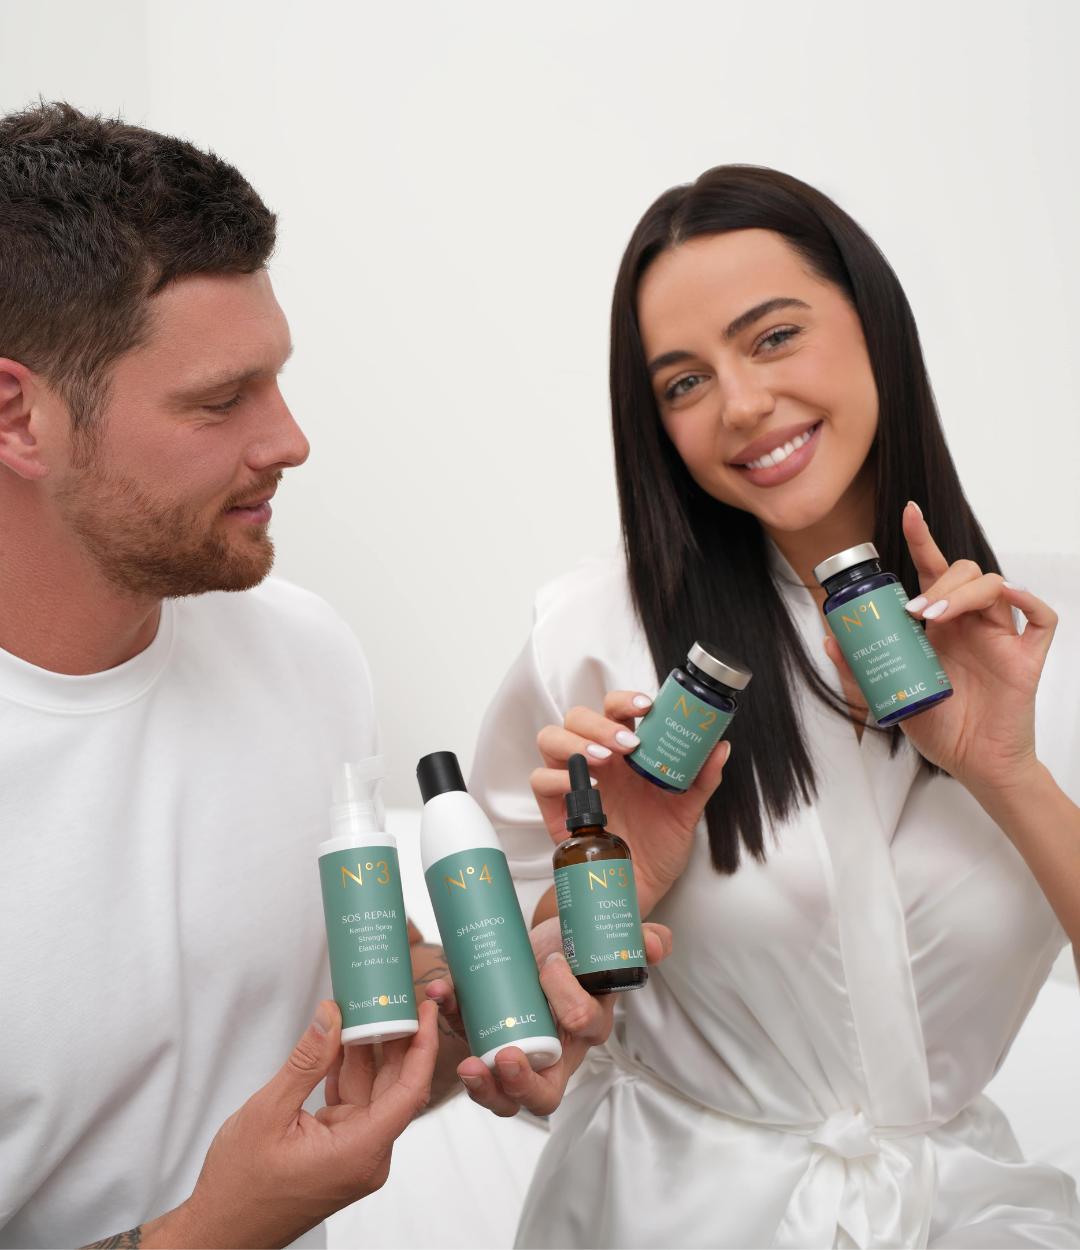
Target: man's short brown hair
96,216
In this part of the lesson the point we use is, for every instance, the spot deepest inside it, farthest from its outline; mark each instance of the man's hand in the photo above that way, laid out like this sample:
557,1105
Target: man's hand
583,1021
273,1171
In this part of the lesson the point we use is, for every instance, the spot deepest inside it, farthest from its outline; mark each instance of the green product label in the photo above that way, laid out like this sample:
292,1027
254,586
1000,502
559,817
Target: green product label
368,935
677,735
598,913
488,950
888,650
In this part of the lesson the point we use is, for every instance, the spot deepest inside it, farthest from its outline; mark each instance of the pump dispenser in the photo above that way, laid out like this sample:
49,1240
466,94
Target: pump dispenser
366,927
487,944
597,895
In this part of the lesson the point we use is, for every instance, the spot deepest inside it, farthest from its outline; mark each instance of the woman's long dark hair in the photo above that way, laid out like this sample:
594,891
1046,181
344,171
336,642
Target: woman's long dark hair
699,568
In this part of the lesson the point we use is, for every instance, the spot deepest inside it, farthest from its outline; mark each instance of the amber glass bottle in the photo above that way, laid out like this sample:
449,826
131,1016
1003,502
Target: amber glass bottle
597,895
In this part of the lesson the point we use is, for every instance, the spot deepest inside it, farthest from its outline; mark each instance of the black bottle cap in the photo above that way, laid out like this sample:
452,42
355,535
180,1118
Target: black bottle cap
583,807
439,773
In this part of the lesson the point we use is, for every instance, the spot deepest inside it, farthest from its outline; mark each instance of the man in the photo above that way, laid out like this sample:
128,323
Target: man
166,749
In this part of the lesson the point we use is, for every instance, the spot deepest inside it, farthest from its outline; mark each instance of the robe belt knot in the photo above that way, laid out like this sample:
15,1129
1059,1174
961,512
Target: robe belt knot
848,1134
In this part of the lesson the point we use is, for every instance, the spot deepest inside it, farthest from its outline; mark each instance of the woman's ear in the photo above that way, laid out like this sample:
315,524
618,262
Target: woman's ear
20,447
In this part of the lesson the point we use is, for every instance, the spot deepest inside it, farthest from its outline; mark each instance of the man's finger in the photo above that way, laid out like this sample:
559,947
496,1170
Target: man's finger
482,1087
394,1107
312,1057
659,942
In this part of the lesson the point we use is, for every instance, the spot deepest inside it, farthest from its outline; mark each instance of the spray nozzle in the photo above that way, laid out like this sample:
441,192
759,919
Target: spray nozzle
583,805
356,806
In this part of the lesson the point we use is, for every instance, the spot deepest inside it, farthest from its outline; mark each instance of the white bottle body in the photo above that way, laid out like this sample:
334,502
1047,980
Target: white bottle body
454,829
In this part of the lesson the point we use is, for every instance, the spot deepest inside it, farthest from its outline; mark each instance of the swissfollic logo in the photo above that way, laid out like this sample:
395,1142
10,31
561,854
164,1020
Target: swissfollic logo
508,1022
382,1000
914,689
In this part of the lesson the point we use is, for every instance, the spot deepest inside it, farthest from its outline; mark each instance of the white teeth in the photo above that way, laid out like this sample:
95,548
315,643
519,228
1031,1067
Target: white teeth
779,454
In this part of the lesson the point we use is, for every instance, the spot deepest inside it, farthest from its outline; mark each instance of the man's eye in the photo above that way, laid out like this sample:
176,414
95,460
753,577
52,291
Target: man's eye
225,407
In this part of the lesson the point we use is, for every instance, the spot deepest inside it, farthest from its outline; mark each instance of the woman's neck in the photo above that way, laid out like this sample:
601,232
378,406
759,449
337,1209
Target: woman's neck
850,522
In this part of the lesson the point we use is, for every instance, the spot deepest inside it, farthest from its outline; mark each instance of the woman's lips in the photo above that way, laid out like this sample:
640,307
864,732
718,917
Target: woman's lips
777,474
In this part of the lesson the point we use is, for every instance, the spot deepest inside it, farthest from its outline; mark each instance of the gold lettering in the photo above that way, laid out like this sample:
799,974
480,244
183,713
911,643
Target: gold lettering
870,605
384,875
849,621
601,880
459,881
680,702
485,875
709,721
357,876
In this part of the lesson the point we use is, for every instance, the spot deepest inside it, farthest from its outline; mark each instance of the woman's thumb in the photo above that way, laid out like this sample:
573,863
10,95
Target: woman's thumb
311,1059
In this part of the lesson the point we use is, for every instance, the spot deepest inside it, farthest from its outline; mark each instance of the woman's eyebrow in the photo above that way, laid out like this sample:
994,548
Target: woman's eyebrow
737,326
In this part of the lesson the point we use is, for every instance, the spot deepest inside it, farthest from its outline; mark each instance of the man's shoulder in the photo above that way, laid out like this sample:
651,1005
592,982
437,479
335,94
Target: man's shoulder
276,611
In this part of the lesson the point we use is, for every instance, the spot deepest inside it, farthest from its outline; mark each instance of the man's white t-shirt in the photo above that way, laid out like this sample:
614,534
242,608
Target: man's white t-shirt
162,944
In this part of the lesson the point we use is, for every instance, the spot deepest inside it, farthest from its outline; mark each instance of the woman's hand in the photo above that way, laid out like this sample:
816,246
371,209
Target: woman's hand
984,735
658,825
582,1021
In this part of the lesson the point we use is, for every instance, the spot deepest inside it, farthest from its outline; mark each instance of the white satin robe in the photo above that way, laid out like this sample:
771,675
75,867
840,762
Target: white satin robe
806,1069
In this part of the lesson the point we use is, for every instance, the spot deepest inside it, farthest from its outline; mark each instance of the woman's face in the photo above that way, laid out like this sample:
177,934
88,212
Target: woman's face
761,376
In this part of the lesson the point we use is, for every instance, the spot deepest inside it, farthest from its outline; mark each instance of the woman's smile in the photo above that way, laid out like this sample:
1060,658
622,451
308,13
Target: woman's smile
779,456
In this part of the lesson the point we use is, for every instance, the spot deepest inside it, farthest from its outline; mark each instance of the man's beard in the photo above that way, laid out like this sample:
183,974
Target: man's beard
163,551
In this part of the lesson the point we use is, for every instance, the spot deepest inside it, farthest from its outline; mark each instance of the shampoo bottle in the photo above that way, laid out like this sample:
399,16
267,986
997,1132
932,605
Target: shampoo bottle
366,928
487,944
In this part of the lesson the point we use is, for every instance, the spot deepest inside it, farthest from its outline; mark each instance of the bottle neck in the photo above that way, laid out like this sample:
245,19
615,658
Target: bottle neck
849,577
729,692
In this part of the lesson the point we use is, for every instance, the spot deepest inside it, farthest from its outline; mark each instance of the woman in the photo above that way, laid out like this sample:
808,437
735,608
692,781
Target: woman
862,918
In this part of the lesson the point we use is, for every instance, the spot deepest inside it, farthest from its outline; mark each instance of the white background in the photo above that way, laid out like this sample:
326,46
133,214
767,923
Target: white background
455,184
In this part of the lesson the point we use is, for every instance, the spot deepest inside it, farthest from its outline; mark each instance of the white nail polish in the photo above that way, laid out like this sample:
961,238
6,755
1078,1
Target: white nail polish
597,751
642,701
935,610
1014,585
914,505
917,604
626,739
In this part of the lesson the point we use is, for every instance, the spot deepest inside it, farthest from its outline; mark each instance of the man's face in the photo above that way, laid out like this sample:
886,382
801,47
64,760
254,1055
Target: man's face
170,492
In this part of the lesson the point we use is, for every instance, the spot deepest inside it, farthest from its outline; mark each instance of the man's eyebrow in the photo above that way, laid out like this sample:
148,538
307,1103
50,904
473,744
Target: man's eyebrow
222,381
741,322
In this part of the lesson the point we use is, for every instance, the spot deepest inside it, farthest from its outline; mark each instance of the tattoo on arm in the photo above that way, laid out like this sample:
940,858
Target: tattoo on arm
118,1241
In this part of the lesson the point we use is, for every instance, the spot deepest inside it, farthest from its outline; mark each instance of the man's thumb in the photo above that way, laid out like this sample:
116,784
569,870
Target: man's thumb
311,1059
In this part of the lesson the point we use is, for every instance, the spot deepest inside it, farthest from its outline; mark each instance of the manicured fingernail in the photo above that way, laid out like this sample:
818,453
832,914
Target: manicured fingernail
935,610
323,1018
626,739
1014,586
642,701
917,605
912,504
472,1082
597,751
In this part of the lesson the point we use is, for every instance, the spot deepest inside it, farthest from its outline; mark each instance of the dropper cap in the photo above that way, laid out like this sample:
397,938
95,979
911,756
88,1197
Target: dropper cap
356,807
583,806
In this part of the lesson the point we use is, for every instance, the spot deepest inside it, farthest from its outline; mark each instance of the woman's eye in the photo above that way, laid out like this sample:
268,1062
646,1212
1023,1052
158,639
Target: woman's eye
682,386
225,407
776,338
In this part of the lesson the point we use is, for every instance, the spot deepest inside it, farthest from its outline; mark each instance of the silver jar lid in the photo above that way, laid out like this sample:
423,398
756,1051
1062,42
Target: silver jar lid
845,560
720,667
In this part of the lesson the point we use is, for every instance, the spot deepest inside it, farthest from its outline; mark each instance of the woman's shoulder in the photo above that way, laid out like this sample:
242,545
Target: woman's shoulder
586,620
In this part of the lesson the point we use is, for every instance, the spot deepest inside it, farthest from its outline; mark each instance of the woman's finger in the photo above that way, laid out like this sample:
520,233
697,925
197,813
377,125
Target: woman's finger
712,773
1041,619
626,706
958,574
930,564
659,942
557,744
983,594
598,729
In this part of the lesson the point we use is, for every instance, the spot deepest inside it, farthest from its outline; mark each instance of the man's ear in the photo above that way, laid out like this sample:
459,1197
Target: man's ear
20,447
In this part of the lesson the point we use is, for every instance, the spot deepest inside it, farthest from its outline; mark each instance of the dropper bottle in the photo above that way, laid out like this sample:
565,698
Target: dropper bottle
597,895
367,931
